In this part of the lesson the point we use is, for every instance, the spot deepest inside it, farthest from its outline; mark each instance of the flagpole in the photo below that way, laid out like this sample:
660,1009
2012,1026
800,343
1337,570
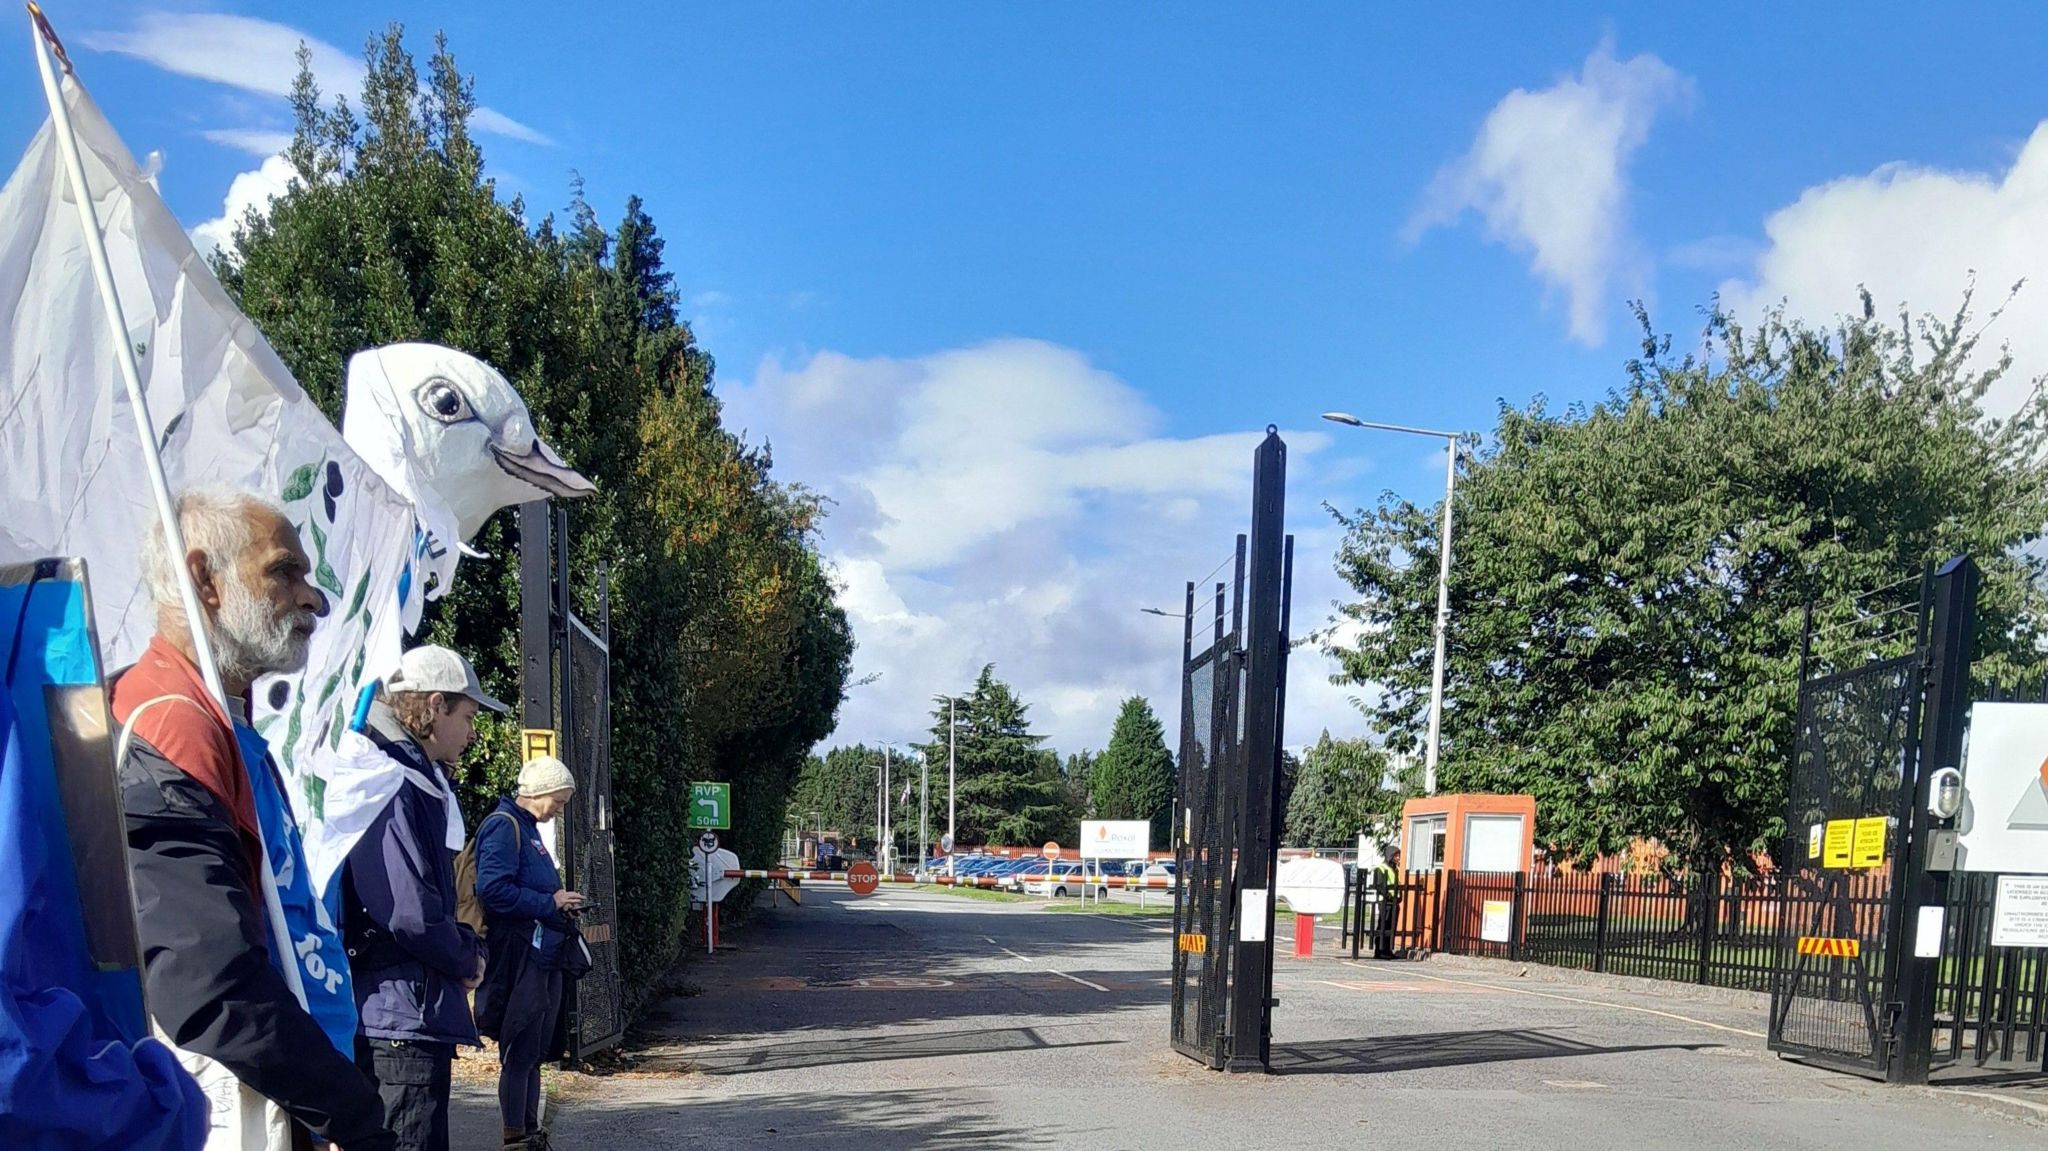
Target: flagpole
145,428
174,539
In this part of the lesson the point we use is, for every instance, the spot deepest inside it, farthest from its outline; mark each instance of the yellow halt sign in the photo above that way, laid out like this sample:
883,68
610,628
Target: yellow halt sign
1194,943
1835,844
1867,849
1838,948
535,742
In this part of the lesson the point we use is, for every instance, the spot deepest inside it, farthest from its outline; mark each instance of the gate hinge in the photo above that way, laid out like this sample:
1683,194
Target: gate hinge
1888,1022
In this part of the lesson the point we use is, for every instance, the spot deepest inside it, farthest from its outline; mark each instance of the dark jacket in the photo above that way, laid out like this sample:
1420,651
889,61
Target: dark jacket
516,882
408,954
516,879
207,972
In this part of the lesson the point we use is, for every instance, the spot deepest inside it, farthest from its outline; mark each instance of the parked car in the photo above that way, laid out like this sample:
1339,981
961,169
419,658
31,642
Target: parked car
1062,879
1164,869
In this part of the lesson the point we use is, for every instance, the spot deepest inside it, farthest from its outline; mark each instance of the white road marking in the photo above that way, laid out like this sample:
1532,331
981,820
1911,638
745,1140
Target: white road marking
1575,999
1025,958
1081,981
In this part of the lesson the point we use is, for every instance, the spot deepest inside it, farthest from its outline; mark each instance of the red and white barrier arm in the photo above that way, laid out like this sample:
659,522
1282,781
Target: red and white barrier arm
1155,883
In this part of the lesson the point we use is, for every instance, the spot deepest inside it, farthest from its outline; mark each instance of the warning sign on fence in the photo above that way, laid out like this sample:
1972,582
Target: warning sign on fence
2020,917
1496,920
1194,942
1840,838
1868,847
1822,945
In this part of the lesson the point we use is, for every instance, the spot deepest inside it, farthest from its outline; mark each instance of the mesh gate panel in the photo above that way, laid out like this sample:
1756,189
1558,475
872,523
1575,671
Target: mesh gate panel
1858,738
598,1000
1205,853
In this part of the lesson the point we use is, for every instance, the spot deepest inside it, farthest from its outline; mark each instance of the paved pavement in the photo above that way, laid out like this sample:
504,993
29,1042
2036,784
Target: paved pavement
914,1020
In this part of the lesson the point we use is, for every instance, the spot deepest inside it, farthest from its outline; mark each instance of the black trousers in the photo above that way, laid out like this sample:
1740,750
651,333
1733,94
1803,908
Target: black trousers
413,1079
524,1043
1386,911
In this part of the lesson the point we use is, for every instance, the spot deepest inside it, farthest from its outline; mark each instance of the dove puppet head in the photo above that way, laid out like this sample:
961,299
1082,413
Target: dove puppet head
443,427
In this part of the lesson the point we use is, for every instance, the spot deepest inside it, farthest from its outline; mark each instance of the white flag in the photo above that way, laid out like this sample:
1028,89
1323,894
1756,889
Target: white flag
227,412
436,441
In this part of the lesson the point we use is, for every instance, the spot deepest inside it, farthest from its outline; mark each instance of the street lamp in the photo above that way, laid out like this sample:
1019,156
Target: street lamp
1443,581
1162,612
952,743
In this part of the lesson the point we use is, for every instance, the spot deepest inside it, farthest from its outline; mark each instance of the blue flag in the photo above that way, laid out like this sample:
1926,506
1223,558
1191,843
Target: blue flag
77,1067
316,944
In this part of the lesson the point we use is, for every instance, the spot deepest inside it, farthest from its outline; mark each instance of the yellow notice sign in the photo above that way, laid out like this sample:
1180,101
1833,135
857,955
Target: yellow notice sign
535,742
1836,843
1867,850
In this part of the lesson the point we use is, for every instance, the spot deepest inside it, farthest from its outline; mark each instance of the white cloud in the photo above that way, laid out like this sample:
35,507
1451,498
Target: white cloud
1914,236
248,190
495,123
256,142
258,56
1012,503
1549,174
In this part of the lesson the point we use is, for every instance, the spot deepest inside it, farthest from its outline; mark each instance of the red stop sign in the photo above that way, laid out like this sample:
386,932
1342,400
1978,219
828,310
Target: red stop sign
861,878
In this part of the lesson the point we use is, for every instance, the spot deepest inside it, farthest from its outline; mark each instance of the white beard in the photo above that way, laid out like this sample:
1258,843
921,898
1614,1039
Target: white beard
249,642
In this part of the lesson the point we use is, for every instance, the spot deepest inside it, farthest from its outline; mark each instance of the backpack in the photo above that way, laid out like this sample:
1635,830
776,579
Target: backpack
468,908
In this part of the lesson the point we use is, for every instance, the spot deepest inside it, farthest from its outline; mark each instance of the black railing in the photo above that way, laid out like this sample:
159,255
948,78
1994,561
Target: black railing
1722,933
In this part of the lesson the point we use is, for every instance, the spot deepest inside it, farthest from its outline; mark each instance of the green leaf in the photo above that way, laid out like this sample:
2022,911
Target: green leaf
323,572
326,693
301,484
316,795
362,591
291,736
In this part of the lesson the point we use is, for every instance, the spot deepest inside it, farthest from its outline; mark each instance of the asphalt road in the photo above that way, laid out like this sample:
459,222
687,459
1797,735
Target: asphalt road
933,1021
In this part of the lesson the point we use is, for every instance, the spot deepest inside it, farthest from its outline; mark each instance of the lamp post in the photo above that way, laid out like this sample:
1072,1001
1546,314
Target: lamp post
1443,582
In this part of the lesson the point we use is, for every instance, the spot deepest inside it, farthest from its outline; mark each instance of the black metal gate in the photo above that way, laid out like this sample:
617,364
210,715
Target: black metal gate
1855,762
1226,842
1990,1003
565,671
1210,793
597,1001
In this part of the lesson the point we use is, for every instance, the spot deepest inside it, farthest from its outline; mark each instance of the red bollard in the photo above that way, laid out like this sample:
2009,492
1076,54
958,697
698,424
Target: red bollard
1304,936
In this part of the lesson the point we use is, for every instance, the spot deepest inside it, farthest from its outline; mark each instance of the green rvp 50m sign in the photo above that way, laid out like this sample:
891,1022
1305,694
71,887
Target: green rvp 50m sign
711,805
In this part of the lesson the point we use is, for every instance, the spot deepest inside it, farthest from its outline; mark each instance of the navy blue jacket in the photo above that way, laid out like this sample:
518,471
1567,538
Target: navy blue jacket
409,953
516,881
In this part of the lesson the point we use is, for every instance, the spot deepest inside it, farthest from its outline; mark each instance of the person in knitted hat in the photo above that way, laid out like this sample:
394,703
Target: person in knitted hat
528,917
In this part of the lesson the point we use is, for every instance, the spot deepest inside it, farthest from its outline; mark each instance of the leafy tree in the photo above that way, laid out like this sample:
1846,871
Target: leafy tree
1345,787
729,653
1134,775
1007,789
1627,597
836,791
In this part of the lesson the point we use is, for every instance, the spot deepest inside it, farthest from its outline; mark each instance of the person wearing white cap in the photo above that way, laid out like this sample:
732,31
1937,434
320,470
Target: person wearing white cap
412,959
528,919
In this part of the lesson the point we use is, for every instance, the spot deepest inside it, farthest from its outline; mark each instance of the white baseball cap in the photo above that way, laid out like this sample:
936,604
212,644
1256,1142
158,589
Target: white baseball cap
434,668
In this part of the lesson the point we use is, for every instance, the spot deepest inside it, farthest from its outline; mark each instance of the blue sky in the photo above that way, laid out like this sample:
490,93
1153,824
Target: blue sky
1015,284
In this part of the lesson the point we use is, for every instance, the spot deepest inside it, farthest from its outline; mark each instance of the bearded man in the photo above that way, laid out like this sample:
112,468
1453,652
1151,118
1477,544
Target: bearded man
195,850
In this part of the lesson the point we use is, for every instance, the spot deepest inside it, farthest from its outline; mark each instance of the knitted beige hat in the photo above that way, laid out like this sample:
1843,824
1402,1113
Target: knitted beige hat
545,775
